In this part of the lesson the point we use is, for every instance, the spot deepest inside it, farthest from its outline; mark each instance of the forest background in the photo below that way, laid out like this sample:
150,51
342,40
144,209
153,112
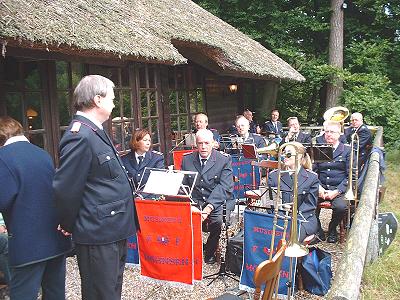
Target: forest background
298,32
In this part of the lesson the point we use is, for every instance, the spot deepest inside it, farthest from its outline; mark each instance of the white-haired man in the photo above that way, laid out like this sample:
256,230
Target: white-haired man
213,187
357,126
243,127
333,176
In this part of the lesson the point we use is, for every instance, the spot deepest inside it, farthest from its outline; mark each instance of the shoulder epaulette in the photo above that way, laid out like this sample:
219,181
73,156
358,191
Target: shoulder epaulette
157,152
274,170
125,153
187,153
76,127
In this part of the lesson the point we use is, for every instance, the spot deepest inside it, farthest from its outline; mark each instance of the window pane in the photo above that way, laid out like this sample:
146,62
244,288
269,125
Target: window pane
127,104
33,110
154,132
64,108
14,106
182,103
32,76
116,111
77,73
172,102
183,123
153,104
37,139
143,103
62,75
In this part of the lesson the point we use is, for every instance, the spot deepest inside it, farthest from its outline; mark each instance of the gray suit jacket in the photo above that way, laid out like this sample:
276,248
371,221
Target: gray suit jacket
214,184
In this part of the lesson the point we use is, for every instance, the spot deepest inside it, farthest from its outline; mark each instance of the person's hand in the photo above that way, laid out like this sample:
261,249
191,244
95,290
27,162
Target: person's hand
3,229
330,195
66,233
205,213
321,192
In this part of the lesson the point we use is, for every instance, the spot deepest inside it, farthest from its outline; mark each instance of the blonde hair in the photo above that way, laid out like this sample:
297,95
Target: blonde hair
305,158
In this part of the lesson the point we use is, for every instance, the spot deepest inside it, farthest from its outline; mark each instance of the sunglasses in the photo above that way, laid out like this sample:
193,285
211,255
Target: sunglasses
288,155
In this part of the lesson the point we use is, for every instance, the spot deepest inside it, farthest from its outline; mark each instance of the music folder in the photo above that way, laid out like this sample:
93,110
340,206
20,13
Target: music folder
249,151
320,152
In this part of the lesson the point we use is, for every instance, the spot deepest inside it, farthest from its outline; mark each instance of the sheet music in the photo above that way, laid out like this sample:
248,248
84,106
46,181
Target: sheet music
163,183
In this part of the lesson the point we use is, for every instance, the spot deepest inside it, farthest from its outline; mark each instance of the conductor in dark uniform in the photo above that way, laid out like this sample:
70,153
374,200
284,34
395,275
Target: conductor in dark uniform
333,176
364,136
141,157
93,193
307,189
243,127
274,126
294,134
213,187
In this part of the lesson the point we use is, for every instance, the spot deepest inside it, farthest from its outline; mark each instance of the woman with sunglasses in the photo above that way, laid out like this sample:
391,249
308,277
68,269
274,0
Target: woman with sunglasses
307,189
141,157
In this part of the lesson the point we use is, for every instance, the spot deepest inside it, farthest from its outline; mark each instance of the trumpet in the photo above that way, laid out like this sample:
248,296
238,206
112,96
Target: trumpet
271,149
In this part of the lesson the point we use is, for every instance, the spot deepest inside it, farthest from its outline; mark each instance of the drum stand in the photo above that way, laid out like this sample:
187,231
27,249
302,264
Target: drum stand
222,273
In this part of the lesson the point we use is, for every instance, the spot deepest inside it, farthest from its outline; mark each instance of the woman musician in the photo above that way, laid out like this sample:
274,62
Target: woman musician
307,189
141,157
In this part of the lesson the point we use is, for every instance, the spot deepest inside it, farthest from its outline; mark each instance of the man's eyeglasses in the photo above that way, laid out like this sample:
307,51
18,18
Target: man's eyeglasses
331,132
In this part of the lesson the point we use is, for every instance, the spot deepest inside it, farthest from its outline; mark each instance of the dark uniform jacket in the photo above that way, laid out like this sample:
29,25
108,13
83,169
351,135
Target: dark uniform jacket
255,139
334,174
307,195
27,204
269,126
92,189
302,137
152,159
214,184
320,139
365,139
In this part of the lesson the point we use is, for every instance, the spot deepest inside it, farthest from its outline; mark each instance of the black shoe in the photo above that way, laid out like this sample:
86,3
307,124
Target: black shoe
321,235
210,260
332,237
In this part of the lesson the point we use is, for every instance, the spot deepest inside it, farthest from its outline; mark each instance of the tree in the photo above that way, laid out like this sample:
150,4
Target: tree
335,86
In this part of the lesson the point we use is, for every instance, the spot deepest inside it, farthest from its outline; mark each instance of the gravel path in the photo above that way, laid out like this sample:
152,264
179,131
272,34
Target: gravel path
135,287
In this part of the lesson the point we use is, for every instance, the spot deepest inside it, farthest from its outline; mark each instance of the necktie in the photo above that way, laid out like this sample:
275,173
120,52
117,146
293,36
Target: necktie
276,127
203,163
140,158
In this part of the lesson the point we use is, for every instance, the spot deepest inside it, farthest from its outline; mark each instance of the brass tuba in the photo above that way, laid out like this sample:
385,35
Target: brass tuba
337,114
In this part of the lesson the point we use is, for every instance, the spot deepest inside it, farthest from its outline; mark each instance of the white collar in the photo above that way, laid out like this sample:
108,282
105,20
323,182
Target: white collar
90,118
137,155
206,158
14,139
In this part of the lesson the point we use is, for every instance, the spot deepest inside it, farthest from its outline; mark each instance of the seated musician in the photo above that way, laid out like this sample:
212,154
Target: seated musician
294,134
243,126
141,157
333,176
274,126
254,128
214,186
364,135
201,122
307,189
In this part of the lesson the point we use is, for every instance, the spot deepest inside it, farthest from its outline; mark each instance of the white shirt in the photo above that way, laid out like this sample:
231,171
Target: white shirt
206,159
137,157
14,139
90,118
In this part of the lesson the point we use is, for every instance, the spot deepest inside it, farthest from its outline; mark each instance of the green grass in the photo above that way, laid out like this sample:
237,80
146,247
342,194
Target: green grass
381,280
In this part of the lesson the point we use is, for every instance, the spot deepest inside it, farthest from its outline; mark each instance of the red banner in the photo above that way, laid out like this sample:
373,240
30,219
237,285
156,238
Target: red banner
197,246
166,241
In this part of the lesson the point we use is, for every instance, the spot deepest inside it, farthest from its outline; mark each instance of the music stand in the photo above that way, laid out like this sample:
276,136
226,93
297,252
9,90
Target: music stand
320,152
170,184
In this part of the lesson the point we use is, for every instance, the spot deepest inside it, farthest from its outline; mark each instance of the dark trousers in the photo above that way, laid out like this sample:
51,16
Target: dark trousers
339,208
213,225
49,274
101,268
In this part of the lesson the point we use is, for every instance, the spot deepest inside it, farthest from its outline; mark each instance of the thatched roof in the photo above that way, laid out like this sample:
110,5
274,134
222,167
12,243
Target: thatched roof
163,31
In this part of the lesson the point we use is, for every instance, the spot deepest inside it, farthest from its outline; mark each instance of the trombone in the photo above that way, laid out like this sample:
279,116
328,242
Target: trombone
294,249
351,192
